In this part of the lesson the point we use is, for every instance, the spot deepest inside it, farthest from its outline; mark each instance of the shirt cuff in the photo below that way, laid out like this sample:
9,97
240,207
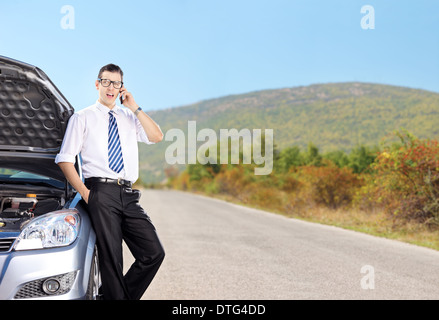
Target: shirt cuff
144,138
61,157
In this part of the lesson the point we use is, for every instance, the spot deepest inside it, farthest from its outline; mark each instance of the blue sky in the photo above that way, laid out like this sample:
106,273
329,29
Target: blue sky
177,52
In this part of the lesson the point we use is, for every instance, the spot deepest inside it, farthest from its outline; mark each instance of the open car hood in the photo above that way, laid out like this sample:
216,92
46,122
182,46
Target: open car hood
33,119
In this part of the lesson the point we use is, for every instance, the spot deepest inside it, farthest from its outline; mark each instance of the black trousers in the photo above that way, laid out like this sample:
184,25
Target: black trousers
116,215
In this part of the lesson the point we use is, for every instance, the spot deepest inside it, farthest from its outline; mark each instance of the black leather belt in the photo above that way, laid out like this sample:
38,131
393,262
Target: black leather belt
119,182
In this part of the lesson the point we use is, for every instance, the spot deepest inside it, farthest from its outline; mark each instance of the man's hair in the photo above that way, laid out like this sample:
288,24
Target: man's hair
111,68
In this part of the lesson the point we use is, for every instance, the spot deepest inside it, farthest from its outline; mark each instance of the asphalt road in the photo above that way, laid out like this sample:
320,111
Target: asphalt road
217,250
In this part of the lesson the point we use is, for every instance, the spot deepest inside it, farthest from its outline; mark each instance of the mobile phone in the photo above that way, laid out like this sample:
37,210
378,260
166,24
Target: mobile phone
120,96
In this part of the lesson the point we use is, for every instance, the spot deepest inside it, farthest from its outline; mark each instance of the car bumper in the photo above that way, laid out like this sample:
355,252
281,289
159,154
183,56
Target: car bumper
23,272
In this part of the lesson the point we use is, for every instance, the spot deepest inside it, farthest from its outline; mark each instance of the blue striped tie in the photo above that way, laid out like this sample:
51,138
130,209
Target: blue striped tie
115,159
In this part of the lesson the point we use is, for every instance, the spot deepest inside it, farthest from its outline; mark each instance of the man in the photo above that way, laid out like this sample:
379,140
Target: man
106,135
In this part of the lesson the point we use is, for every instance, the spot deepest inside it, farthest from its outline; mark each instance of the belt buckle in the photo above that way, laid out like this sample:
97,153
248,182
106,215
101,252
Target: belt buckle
118,182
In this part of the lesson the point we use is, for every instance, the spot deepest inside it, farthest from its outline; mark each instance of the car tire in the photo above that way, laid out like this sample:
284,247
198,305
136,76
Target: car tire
94,281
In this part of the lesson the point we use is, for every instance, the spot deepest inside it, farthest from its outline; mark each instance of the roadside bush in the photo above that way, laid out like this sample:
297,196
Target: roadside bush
327,185
405,180
180,182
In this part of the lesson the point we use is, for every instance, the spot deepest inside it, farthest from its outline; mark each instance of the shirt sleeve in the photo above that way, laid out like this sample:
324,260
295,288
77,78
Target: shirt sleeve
141,134
73,139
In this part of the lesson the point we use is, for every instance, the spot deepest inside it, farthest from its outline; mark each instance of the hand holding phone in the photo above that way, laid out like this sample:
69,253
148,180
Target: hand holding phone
126,98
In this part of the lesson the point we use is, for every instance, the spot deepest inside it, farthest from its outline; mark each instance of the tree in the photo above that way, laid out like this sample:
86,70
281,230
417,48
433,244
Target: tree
361,158
288,158
338,157
312,157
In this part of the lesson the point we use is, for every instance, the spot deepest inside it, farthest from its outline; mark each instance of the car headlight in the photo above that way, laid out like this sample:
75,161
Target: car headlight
55,229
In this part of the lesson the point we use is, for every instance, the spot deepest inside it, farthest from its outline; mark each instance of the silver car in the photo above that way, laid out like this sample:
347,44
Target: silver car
47,243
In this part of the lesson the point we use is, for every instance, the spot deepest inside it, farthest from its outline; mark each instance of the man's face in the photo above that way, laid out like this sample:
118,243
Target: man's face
108,95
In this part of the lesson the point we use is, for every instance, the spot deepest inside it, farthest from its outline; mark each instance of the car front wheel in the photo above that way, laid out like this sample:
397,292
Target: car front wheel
94,281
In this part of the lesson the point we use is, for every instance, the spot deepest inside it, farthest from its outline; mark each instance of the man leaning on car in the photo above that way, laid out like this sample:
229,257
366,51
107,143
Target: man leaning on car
106,136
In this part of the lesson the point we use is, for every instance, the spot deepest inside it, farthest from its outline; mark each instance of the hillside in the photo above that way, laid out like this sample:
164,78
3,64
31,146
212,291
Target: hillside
333,116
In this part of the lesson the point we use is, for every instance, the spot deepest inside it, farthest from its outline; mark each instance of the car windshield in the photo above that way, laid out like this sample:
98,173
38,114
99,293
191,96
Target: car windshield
16,176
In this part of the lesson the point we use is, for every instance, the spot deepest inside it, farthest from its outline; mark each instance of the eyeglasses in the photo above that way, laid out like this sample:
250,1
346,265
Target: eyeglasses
106,83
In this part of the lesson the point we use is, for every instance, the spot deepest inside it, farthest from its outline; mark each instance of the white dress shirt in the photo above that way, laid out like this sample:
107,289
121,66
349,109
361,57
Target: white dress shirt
87,133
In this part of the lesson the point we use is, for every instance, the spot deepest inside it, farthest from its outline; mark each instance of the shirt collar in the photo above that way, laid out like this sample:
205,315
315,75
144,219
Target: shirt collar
105,109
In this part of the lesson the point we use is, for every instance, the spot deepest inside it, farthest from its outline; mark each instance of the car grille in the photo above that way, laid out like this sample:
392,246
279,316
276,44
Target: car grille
5,244
34,289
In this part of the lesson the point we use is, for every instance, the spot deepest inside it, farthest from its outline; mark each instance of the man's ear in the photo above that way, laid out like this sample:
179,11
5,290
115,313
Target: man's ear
97,84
